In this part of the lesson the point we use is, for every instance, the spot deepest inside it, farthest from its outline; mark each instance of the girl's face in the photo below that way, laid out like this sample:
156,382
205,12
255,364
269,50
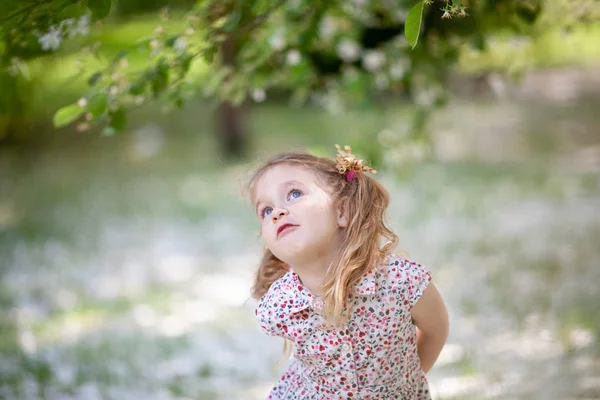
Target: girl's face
299,220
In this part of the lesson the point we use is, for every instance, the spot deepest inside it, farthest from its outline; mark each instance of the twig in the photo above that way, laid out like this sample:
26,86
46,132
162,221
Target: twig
23,10
255,22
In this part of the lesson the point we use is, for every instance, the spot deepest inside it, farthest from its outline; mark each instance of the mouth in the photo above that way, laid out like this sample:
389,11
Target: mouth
284,228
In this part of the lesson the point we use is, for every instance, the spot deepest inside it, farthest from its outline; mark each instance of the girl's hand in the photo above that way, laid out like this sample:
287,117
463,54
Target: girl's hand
431,318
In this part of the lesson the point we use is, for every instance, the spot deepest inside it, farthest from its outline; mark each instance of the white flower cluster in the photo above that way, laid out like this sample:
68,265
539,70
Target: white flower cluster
70,27
348,50
277,40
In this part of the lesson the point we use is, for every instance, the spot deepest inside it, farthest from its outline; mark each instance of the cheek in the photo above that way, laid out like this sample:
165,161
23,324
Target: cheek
266,231
263,230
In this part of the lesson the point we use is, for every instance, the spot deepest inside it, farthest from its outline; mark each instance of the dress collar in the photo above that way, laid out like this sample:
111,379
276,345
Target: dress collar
298,298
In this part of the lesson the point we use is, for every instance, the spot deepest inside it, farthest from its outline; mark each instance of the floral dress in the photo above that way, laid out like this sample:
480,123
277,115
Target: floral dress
372,356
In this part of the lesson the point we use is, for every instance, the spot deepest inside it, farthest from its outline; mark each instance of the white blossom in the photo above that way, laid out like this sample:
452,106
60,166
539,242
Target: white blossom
327,28
277,41
518,42
82,126
68,27
180,45
293,57
348,50
426,97
52,39
90,391
259,95
67,22
373,60
28,341
398,70
82,28
18,67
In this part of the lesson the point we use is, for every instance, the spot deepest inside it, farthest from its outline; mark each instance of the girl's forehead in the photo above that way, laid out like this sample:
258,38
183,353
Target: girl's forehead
277,176
281,173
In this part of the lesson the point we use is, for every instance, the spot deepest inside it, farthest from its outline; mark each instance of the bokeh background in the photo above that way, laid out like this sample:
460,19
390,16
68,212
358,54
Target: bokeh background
126,261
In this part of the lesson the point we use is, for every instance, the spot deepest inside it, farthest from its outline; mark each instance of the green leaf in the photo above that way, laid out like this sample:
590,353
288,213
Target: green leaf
238,96
160,77
118,120
163,66
97,104
99,8
209,54
185,60
94,78
301,74
120,55
72,11
108,131
412,27
137,87
233,21
159,84
170,42
216,80
66,115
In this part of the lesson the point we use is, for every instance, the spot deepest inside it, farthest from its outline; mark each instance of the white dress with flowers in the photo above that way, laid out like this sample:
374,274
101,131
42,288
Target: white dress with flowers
373,356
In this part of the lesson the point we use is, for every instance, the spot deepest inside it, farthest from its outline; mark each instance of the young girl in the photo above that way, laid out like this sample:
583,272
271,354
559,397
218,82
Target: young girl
365,323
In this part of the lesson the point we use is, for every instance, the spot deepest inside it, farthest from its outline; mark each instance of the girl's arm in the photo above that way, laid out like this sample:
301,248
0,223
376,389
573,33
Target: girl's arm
431,318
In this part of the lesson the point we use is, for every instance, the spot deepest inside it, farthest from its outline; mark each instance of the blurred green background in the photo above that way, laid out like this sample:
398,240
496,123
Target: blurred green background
126,261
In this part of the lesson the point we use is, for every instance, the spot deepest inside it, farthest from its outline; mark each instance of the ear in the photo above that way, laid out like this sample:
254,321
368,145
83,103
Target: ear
342,213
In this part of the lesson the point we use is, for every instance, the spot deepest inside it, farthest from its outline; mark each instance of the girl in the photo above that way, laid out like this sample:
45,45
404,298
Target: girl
365,323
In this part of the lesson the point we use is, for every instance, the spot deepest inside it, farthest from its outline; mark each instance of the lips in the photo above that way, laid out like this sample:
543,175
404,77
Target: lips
284,228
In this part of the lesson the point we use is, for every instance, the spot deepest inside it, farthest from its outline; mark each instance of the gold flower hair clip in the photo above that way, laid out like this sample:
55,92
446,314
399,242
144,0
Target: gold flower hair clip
347,164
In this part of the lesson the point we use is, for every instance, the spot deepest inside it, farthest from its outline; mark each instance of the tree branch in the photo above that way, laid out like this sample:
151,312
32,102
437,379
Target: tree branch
255,22
24,10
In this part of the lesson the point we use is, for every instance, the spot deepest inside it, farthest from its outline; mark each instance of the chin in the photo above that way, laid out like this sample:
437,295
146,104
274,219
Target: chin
290,254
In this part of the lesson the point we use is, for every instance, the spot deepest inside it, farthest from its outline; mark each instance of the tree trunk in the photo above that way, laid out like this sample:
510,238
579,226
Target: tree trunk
231,124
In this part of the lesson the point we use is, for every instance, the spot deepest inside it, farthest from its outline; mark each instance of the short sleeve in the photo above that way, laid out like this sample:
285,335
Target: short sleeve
266,316
417,278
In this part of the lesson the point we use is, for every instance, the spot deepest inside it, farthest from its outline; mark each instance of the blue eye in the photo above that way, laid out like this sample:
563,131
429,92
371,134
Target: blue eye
266,211
294,194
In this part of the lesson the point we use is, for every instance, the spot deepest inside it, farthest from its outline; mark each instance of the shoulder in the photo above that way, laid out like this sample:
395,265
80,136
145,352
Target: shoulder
266,310
285,297
399,267
277,291
404,277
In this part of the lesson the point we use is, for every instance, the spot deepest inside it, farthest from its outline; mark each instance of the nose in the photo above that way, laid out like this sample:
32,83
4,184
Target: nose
278,214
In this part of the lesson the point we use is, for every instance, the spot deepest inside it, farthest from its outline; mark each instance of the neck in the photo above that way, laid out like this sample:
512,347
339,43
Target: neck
312,270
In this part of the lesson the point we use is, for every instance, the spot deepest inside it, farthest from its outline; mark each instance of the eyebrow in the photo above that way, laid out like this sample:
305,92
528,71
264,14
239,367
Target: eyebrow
283,184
